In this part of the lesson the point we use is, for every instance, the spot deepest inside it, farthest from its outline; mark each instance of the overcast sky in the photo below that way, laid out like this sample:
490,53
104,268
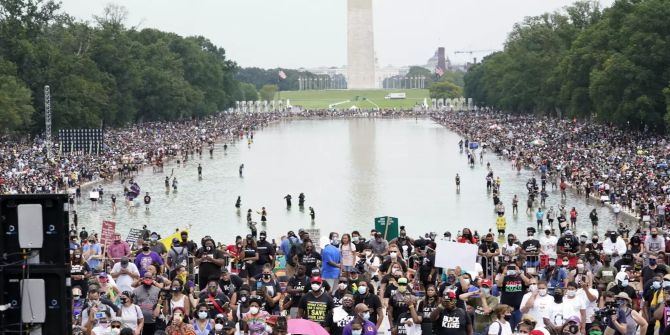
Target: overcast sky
310,33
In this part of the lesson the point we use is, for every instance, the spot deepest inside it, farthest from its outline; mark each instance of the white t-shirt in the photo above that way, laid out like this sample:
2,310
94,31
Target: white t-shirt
566,309
591,306
124,282
494,328
548,245
130,315
541,305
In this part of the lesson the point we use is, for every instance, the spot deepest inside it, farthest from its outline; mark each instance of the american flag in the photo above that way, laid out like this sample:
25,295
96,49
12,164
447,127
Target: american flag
439,71
282,75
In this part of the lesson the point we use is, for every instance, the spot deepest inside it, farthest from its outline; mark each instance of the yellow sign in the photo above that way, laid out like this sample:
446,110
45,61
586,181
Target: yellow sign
167,242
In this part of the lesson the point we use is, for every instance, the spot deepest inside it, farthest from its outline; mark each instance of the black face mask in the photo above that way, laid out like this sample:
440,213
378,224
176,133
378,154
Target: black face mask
558,298
654,235
266,276
508,317
145,248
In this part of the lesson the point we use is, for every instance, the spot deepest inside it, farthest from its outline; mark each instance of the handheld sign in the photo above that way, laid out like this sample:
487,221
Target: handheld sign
449,255
107,231
387,226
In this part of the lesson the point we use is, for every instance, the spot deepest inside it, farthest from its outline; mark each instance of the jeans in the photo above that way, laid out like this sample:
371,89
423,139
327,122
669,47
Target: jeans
516,318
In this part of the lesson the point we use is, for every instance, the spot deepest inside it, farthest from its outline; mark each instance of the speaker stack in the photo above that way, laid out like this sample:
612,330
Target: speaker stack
35,294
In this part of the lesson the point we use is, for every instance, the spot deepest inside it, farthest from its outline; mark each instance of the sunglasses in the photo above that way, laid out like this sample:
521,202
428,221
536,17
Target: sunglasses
115,326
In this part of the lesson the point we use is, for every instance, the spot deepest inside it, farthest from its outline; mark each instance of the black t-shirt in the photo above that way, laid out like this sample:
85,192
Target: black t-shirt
336,323
400,322
220,299
452,322
568,244
265,250
648,273
209,269
372,301
316,308
513,290
399,305
489,247
424,310
531,246
230,286
391,290
309,260
272,288
80,269
299,283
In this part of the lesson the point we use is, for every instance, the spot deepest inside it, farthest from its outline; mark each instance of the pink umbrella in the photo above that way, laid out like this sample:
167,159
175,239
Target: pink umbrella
304,326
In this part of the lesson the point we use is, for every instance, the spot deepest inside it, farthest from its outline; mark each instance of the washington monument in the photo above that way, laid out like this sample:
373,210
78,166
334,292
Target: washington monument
360,45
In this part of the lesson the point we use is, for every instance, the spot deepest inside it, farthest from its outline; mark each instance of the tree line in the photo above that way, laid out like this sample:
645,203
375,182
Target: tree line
104,72
610,65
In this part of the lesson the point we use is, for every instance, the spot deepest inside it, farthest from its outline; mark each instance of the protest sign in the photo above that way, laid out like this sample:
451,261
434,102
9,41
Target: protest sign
449,255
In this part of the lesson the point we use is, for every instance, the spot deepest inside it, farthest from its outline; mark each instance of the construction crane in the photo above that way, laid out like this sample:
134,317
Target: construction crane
473,52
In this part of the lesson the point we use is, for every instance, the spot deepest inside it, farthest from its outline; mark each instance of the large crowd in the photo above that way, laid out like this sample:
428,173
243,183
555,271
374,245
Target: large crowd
25,168
565,281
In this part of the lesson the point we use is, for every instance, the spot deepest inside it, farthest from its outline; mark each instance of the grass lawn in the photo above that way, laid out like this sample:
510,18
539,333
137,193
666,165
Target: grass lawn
360,98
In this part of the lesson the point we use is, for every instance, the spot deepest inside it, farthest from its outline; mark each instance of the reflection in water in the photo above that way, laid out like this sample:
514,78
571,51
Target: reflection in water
350,172
363,170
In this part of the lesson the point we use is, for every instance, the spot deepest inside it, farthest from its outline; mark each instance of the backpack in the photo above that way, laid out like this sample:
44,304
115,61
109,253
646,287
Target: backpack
486,330
294,249
180,258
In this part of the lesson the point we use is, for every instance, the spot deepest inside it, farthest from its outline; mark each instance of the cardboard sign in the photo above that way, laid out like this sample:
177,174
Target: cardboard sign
107,232
133,235
167,242
449,255
315,236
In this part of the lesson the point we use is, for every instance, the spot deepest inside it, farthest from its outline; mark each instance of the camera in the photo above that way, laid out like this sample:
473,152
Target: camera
603,315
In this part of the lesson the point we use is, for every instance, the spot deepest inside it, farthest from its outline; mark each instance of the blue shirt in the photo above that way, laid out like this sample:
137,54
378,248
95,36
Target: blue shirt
330,253
93,263
286,246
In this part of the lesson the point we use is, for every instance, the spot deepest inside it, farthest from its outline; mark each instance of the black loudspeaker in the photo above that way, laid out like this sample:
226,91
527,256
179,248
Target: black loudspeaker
53,230
53,303
34,264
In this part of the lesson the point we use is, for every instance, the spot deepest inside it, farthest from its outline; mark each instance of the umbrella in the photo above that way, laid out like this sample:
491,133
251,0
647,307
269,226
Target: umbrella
304,326
538,142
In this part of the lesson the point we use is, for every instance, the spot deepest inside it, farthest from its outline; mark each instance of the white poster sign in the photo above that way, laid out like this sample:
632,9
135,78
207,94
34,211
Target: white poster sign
449,255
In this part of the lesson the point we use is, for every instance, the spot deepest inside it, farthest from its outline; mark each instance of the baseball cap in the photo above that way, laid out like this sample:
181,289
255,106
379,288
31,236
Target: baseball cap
576,319
568,232
228,324
450,295
124,261
486,282
175,241
316,279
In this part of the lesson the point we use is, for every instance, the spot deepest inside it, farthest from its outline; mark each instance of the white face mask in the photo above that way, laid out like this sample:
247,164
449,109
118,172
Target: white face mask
253,310
316,287
356,332
571,293
342,286
202,315
218,327
394,254
115,331
542,292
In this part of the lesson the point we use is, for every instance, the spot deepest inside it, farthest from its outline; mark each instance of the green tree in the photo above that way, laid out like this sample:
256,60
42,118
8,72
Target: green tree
249,92
268,92
445,90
